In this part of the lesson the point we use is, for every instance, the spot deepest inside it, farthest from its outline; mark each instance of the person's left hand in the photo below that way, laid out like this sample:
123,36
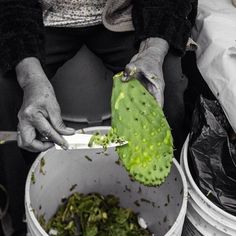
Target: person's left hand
146,65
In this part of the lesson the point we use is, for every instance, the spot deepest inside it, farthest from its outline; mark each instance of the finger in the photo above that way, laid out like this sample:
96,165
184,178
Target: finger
25,135
133,70
125,78
58,124
153,83
157,93
38,146
45,128
130,69
153,75
150,76
26,140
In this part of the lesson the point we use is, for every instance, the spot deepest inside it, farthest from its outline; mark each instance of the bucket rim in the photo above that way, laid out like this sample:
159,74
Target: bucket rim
28,208
193,185
34,220
183,209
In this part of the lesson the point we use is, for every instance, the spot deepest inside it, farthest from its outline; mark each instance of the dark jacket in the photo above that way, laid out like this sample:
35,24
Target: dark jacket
22,30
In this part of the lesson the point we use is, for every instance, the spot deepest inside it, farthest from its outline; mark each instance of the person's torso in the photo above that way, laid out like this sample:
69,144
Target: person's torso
74,13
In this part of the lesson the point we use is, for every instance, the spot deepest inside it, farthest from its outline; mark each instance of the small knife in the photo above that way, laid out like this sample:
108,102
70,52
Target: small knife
75,141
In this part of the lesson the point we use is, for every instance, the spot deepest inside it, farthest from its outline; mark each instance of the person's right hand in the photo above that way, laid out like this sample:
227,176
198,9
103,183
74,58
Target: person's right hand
147,65
40,110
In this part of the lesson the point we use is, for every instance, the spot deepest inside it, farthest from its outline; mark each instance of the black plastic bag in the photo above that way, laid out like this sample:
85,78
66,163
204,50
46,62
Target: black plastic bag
212,154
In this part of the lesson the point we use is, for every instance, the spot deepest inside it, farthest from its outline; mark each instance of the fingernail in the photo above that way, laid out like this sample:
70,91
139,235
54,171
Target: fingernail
132,72
125,74
64,146
125,77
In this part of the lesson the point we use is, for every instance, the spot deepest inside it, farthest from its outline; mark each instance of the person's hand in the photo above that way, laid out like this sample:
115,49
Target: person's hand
40,110
146,65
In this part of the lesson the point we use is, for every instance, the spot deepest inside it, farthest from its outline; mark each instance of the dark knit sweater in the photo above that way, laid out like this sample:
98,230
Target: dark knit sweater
168,19
22,30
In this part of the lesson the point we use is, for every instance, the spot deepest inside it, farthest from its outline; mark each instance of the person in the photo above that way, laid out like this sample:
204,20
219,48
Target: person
39,37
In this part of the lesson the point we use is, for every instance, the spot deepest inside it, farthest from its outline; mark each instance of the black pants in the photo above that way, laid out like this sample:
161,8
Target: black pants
115,50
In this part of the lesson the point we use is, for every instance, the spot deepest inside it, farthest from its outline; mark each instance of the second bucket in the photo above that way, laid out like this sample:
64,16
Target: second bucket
203,218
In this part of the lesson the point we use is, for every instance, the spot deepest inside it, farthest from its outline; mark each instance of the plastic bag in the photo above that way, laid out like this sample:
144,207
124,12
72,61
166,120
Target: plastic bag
212,152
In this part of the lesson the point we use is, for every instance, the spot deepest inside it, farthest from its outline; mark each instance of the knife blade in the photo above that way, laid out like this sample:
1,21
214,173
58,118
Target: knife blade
76,141
83,141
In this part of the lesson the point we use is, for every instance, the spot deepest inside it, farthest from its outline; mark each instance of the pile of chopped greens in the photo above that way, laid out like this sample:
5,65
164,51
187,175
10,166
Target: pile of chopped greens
105,140
94,215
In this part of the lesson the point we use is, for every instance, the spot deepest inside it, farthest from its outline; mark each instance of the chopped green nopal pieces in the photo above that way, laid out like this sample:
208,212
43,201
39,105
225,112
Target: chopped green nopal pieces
138,118
42,164
33,178
105,140
94,215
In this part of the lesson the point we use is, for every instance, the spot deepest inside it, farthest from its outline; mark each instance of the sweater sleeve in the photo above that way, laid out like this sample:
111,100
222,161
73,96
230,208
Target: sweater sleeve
171,20
21,32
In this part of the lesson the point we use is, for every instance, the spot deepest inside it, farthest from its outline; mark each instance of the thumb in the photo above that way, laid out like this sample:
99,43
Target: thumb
129,71
59,125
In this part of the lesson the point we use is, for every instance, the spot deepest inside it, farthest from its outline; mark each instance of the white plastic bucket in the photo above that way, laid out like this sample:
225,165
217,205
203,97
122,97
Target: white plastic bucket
164,211
203,217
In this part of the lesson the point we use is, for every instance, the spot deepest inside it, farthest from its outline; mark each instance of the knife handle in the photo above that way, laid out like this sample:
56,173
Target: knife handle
13,137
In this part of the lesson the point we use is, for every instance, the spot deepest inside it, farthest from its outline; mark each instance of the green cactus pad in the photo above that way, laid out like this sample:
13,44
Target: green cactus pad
138,118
